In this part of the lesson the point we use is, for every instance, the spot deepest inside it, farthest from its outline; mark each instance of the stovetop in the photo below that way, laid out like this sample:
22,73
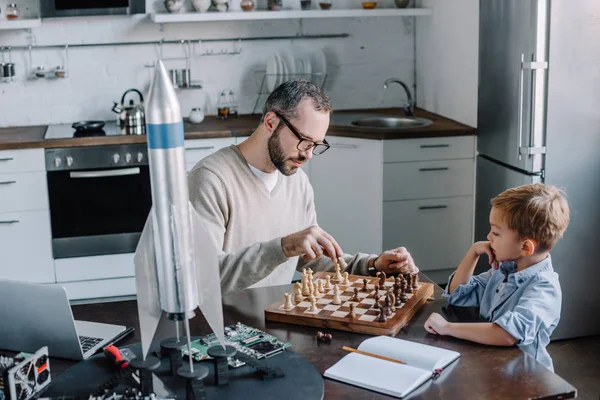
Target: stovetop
66,131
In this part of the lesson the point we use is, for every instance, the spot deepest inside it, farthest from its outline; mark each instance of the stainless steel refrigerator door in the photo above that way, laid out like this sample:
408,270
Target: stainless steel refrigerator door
492,179
572,161
512,81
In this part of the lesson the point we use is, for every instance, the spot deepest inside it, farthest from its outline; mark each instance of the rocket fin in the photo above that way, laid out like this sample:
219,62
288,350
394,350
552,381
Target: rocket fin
146,282
208,277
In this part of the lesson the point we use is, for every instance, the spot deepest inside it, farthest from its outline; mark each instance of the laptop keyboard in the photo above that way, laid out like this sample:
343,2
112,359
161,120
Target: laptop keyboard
88,342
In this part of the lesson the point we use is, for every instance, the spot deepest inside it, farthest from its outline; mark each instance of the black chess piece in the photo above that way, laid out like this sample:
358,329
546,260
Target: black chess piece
403,297
382,316
355,297
386,305
194,386
220,356
409,288
171,348
415,282
364,288
145,368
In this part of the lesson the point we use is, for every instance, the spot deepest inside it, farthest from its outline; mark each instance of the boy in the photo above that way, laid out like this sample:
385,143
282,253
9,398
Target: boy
520,295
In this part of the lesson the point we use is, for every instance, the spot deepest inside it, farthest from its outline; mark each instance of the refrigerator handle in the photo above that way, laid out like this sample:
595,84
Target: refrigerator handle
538,93
520,121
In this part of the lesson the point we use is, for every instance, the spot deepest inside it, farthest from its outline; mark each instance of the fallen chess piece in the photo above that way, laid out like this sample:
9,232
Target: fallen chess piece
324,337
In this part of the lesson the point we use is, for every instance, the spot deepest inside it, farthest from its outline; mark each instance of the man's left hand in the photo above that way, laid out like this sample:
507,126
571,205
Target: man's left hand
396,261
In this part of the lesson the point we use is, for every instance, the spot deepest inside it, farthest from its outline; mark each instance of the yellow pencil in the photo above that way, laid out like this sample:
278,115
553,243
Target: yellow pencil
371,355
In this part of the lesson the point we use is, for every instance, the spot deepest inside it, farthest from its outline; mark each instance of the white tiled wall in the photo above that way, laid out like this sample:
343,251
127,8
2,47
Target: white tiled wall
378,48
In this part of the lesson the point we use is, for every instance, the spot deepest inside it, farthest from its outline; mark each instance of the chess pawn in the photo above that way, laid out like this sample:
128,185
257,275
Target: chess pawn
382,316
288,302
311,296
305,287
336,296
328,285
397,301
313,306
352,313
355,297
409,288
365,287
346,281
320,286
298,297
376,297
338,275
315,289
415,282
376,290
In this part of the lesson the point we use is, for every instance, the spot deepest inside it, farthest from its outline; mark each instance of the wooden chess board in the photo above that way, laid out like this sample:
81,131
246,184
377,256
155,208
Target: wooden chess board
338,316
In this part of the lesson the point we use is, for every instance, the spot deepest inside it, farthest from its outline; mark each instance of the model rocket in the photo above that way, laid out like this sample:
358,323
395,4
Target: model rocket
176,265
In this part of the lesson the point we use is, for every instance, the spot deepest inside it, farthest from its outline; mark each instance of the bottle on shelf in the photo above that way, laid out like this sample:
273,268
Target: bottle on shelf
233,107
223,106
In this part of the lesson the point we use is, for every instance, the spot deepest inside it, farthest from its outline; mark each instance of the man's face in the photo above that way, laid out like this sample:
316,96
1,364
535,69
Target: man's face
505,242
283,144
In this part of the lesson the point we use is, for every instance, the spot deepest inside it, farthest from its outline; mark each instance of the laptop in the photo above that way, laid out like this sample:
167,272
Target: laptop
33,315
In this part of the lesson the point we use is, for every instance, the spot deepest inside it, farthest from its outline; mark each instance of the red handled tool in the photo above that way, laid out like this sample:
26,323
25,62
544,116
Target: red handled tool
115,356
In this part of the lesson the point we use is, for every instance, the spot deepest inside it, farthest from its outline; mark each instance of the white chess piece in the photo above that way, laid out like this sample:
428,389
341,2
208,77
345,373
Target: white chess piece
311,296
336,296
341,265
346,281
288,302
320,286
313,306
328,285
298,292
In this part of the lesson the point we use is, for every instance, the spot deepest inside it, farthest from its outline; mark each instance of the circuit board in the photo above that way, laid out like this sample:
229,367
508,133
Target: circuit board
245,339
25,375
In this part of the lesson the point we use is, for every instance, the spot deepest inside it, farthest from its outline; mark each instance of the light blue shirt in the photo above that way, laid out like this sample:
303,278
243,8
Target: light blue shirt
527,306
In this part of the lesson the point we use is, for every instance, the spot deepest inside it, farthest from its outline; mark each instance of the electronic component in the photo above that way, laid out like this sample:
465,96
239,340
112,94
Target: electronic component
24,376
246,340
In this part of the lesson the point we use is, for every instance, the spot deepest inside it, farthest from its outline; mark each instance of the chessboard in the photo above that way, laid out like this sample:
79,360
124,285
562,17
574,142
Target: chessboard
357,311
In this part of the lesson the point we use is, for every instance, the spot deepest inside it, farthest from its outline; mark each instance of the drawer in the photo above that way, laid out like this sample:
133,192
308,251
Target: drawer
31,160
197,149
427,179
96,267
23,192
437,232
443,148
26,247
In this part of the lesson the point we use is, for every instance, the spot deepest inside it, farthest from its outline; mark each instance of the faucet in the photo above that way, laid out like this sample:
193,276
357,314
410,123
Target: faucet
409,107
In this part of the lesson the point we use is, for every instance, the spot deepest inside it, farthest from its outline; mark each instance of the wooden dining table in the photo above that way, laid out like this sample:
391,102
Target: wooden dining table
481,372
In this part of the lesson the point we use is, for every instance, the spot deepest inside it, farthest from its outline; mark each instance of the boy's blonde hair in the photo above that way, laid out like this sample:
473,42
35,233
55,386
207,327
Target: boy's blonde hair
535,211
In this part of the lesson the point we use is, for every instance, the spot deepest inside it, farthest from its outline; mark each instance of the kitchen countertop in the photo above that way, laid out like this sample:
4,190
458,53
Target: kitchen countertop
30,137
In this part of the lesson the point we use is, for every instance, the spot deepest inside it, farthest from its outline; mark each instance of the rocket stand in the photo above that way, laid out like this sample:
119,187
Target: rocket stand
171,348
194,387
145,368
220,355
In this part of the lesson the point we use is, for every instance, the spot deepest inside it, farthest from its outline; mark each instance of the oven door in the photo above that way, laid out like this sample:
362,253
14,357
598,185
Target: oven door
95,212
76,8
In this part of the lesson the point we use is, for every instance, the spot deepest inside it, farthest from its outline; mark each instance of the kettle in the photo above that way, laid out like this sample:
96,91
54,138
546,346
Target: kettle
132,119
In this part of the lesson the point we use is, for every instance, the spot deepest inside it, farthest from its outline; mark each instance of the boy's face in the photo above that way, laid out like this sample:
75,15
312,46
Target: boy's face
505,242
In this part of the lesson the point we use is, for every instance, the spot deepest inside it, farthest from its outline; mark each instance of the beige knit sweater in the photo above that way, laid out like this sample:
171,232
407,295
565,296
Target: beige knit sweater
247,223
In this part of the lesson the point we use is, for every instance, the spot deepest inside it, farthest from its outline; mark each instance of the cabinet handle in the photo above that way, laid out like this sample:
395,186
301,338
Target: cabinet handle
200,148
434,169
433,146
432,207
6,159
10,221
7,182
343,146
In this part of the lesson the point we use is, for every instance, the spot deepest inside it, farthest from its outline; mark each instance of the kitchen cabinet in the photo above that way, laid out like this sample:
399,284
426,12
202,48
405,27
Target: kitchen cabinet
374,195
197,149
25,234
348,184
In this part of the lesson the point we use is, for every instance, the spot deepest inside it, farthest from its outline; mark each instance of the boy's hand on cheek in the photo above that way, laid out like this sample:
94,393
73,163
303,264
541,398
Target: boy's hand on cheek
485,247
437,324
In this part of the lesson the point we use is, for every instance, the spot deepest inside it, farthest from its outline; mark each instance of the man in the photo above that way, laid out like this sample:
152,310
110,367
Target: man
258,204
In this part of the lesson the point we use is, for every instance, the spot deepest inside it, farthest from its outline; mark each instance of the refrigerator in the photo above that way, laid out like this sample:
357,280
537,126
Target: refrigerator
539,121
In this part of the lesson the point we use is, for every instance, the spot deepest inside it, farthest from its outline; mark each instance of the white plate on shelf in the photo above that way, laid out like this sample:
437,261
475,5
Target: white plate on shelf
272,71
290,63
319,66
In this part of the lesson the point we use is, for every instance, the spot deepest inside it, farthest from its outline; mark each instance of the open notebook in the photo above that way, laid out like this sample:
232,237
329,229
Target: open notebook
388,377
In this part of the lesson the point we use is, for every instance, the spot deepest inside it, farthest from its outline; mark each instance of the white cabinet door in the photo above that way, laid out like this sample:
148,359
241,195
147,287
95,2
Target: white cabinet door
197,149
347,181
31,160
437,232
23,191
25,247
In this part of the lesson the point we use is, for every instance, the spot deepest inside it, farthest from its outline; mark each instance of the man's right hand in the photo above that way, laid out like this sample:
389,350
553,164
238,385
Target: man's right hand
484,247
312,242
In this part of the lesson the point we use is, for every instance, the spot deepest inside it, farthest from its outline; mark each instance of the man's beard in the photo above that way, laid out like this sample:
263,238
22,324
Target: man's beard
278,156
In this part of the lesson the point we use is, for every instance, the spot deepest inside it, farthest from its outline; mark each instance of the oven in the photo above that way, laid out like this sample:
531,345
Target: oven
100,198
76,8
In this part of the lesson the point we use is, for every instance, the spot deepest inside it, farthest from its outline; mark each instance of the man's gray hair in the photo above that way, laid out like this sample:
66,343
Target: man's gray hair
287,96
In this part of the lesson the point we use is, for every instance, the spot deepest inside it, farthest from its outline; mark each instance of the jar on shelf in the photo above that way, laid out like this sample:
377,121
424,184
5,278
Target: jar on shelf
274,5
233,106
12,11
325,4
196,116
247,5
223,106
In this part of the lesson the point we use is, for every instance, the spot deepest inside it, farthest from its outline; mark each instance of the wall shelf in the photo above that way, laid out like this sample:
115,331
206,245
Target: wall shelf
21,23
161,18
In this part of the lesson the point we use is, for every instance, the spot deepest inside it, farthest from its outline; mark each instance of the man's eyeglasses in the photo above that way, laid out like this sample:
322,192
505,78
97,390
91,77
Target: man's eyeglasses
305,144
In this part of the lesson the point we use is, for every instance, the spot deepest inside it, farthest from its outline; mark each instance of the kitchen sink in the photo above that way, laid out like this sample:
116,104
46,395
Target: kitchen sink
392,122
